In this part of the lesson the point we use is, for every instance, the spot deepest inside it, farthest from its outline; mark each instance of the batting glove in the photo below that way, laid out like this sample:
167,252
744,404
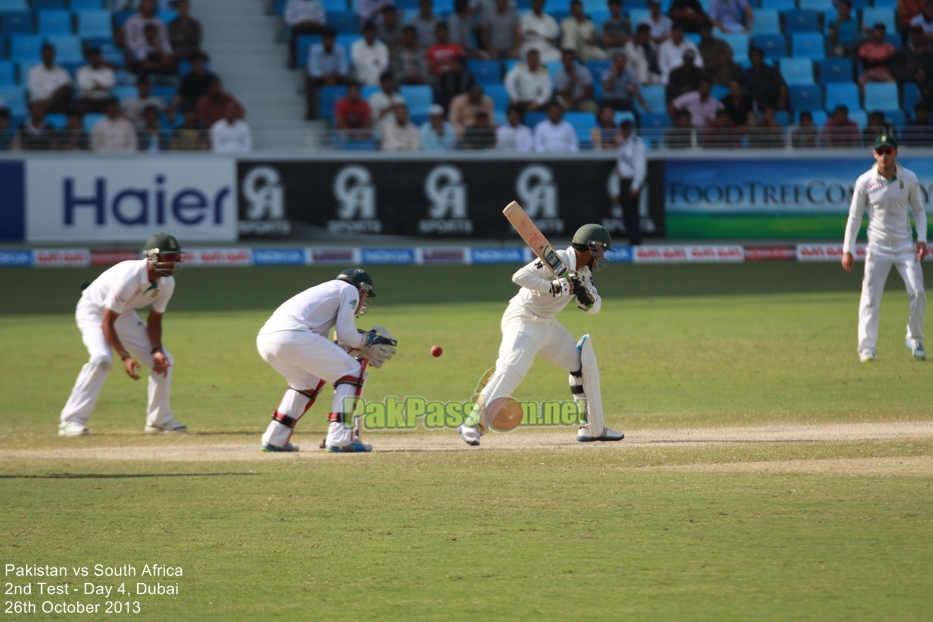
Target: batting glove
560,287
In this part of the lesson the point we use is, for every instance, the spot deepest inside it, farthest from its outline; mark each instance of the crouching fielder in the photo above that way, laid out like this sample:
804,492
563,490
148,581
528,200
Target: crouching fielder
295,342
529,328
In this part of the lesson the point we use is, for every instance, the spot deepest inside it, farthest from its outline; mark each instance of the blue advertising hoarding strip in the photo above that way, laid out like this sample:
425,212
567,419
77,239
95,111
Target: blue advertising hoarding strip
278,257
16,258
400,256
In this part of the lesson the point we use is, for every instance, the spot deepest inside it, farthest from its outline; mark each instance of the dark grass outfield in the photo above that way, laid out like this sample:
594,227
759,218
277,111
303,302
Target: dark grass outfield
551,534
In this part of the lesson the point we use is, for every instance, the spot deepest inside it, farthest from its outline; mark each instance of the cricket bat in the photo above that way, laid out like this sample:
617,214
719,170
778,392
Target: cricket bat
533,237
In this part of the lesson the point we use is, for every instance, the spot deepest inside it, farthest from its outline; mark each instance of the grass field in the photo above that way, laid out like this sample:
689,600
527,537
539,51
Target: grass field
748,524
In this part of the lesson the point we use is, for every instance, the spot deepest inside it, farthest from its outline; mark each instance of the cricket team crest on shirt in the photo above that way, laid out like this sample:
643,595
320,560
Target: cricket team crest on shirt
353,303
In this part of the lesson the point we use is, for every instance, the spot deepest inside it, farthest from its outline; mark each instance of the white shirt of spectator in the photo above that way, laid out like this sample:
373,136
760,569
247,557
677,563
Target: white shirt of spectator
135,29
518,138
134,107
89,79
369,61
378,102
297,11
398,138
525,86
927,26
889,205
638,63
555,138
547,29
231,138
632,161
43,82
114,136
671,56
660,28
701,112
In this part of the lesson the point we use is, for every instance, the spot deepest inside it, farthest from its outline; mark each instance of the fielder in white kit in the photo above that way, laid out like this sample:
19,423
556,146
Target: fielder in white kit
888,193
529,328
295,341
106,316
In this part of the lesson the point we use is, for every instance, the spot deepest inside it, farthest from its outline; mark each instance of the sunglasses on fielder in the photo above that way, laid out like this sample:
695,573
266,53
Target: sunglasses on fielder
884,150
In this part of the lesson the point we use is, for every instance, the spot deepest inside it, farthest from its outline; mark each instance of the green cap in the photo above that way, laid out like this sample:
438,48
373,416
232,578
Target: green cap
885,141
358,278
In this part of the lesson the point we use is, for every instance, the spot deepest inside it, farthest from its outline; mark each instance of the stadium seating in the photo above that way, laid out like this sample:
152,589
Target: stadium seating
881,96
7,73
498,95
582,122
871,16
818,5
739,43
655,120
303,48
344,22
26,48
801,20
774,45
68,48
418,97
327,97
13,5
486,71
835,70
778,5
654,96
808,45
806,97
43,5
797,70
911,96
767,22
95,23
85,5
16,23
15,98
844,94
55,22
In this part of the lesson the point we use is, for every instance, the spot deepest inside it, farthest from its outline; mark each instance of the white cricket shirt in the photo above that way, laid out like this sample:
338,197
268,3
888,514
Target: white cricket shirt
888,205
125,287
319,309
535,299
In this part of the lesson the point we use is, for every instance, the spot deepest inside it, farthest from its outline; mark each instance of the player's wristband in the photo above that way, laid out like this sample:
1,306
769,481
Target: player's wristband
124,355
158,349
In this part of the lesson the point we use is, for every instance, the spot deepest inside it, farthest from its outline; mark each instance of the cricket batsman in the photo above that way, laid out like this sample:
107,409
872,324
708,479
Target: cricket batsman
106,316
529,327
295,341
888,192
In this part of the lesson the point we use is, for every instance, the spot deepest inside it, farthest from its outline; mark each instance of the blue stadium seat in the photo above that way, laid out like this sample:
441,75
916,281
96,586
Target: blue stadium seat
891,4
509,64
835,70
486,71
582,122
558,14
95,24
782,117
534,118
692,37
739,43
897,118
418,97
842,93
599,16
718,91
14,5
860,117
344,22
73,66
303,48
777,5
858,5
4,47
68,48
168,15
881,96
871,16
818,5
894,39
15,98
620,116
280,7
124,92
498,95
26,48
636,15
368,91
801,20
184,68
331,5
44,5
774,46
7,73
443,7
597,67
553,68
55,22
86,5
16,23
120,17
408,5
797,70
347,42
327,96
91,119
595,5
806,96
911,96
57,120
654,96
808,45
767,22
655,120
500,118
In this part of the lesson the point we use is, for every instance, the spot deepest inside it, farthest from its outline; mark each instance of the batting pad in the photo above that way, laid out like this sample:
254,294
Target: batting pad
591,390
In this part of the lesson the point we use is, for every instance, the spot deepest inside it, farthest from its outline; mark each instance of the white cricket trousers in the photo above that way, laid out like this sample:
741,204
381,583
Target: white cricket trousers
135,337
305,358
878,262
524,336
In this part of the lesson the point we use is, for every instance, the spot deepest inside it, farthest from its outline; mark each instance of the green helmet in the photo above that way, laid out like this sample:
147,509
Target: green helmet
359,278
163,252
595,237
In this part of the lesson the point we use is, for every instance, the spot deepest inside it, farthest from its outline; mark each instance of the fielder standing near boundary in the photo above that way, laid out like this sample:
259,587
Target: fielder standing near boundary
888,192
106,316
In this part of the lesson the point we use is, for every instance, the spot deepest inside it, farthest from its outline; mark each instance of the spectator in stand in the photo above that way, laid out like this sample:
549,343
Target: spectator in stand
114,133
190,135
425,23
327,66
619,86
153,57
465,106
915,60
679,135
151,136
721,133
671,53
513,136
212,107
843,31
370,56
231,134
441,55
184,32
193,86
500,31
699,103
409,63
401,134
50,84
436,133
382,103
685,78
135,107
481,135
389,26
529,84
574,84
578,33
554,134
352,114
303,17
877,126
919,131
878,57
731,15
605,135
460,29
764,84
72,137
35,133
716,55
739,106
840,131
688,14
766,133
368,9
642,56
7,133
907,10
539,32
659,23
617,30
132,36
95,83
805,135
453,82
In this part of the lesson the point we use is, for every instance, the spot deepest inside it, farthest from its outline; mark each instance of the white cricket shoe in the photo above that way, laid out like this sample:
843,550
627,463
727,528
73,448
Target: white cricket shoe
469,435
584,435
71,428
917,350
866,356
169,426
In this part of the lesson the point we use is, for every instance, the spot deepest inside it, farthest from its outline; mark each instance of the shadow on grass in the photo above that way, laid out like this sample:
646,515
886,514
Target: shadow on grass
121,475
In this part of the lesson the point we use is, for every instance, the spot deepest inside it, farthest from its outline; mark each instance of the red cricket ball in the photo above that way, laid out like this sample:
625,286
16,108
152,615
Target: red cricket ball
436,350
